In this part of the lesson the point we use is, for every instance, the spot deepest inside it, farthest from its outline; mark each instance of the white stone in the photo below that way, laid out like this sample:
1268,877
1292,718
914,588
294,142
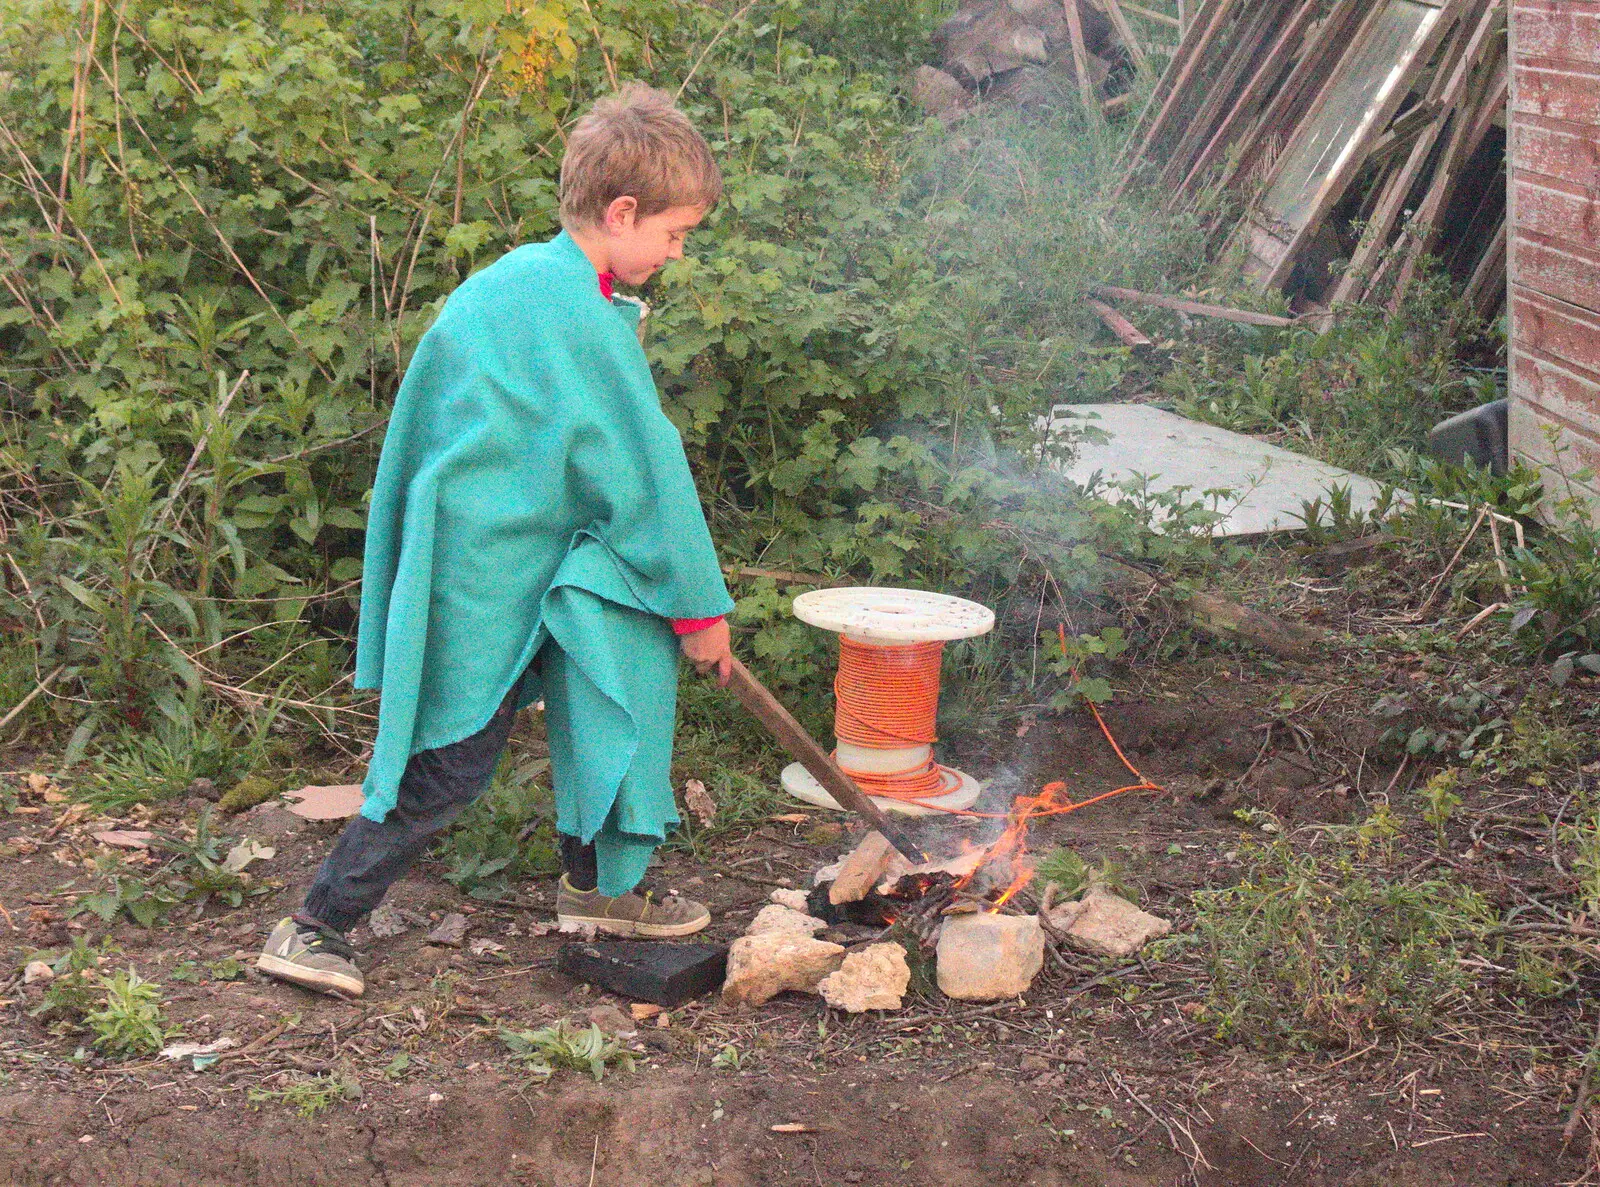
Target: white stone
763,966
987,957
37,970
777,917
874,978
1105,924
795,900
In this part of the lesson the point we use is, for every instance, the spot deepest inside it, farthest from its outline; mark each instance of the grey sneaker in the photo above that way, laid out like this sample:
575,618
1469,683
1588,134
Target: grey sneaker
306,954
628,914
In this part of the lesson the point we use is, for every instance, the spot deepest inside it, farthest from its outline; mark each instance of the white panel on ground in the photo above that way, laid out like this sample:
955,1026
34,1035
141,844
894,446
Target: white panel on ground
1269,486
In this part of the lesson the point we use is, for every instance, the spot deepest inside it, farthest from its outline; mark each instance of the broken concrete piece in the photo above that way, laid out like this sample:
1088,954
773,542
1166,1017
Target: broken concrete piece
387,921
325,803
450,932
862,869
795,900
776,917
940,94
827,873
1105,924
761,967
988,957
37,970
119,838
875,978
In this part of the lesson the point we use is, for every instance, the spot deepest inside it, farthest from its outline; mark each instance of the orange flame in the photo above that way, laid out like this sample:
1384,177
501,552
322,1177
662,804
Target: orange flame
1012,845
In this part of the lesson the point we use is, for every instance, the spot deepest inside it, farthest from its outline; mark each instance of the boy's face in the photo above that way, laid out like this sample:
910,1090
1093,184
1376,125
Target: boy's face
639,247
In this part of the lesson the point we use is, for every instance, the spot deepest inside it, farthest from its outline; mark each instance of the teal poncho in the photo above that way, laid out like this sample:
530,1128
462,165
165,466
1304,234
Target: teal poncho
532,491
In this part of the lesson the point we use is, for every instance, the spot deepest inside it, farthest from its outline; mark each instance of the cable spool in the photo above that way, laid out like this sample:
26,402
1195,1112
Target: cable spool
886,694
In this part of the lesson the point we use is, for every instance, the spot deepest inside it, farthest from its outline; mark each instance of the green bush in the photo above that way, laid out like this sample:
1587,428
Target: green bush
217,279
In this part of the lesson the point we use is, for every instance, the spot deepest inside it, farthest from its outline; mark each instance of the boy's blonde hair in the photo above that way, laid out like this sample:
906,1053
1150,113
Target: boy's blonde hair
635,143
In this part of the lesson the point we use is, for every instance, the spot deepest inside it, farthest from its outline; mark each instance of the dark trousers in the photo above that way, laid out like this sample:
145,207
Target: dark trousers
370,857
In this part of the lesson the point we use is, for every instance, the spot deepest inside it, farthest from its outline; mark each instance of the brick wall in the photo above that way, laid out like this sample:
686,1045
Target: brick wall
1554,265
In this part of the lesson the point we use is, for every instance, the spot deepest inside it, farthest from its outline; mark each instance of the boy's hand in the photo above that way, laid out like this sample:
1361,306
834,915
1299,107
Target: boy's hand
710,651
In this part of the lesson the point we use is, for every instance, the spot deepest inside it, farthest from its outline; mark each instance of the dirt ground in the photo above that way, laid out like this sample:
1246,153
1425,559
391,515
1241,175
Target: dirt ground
1094,1077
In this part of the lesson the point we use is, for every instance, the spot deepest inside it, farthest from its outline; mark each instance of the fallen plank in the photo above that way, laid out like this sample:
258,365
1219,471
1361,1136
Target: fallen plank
1226,619
1197,308
1128,333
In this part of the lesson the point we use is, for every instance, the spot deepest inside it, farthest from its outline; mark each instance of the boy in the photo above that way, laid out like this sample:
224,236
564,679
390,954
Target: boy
535,532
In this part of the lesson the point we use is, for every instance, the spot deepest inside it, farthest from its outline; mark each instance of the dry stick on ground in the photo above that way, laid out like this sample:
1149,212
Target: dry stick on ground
1438,582
1199,308
28,700
1127,333
1226,619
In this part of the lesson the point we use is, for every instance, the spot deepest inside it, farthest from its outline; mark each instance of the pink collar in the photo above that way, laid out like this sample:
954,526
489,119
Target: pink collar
607,283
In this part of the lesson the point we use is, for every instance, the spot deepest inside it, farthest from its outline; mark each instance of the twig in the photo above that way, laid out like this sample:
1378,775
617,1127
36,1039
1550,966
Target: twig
1438,582
1478,619
1500,555
25,701
194,456
693,70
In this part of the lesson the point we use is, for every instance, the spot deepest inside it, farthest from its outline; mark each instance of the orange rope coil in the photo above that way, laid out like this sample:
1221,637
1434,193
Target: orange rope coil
887,698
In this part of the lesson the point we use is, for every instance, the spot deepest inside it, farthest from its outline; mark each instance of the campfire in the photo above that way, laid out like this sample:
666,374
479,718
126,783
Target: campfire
875,886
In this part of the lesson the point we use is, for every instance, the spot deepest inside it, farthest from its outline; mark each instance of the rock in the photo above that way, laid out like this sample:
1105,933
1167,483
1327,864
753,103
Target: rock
612,1020
763,966
387,921
1105,924
988,957
450,932
326,803
875,978
795,900
203,789
37,970
995,42
777,917
121,838
940,94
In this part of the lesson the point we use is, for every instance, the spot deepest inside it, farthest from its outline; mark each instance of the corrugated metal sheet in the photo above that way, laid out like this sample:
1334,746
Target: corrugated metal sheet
1555,241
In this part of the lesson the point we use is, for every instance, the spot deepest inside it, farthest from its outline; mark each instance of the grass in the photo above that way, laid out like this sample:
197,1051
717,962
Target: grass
1311,951
307,1095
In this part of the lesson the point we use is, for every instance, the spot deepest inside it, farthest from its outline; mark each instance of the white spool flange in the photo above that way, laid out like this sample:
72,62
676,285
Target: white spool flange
867,614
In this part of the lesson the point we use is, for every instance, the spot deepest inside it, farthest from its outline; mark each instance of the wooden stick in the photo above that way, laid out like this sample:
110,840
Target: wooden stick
791,735
1128,333
1080,59
1226,619
1125,31
1244,106
1151,14
28,700
1197,308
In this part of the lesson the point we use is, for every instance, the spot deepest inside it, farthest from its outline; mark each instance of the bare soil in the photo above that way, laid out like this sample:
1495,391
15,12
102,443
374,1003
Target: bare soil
1092,1078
